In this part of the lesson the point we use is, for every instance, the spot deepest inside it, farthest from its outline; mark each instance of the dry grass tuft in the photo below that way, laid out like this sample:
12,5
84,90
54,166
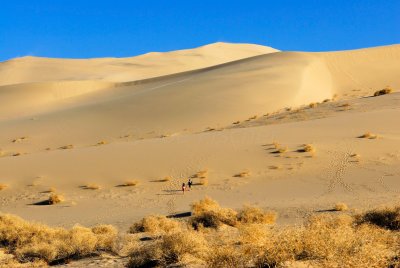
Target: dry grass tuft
368,135
313,105
201,174
32,241
386,90
340,207
101,143
256,215
3,186
166,179
130,183
243,174
209,214
306,148
327,100
21,139
171,249
66,147
55,199
203,181
91,186
236,122
253,117
155,225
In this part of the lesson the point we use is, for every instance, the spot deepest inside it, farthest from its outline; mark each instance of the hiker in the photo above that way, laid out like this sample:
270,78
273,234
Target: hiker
183,188
190,183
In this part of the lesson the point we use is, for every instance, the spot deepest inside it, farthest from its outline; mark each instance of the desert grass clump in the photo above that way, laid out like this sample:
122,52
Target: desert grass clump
386,90
155,225
201,174
130,183
306,148
368,135
209,214
226,256
183,247
3,186
340,207
101,143
91,186
203,182
329,241
242,174
33,241
66,147
55,199
388,218
251,214
313,105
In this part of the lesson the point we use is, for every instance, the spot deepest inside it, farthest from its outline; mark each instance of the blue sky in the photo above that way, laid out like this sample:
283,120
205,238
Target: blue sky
85,29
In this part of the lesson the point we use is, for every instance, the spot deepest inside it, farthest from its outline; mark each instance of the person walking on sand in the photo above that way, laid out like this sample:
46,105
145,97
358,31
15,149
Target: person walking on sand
190,183
183,188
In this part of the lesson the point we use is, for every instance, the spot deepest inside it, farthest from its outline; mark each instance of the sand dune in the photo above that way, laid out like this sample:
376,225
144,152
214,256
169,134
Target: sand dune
67,123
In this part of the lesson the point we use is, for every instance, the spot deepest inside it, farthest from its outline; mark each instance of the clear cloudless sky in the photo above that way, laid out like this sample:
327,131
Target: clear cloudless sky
98,28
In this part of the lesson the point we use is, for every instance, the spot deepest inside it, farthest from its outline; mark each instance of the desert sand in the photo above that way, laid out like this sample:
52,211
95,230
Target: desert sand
222,108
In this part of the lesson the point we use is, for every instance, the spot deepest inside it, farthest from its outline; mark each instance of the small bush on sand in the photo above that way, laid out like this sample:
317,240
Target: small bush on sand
91,186
388,218
201,174
208,213
306,148
130,183
313,105
185,246
34,241
368,135
386,90
226,256
3,186
155,225
256,215
66,147
55,199
242,174
340,207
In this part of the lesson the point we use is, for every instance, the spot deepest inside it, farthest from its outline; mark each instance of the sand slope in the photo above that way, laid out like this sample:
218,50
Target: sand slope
171,114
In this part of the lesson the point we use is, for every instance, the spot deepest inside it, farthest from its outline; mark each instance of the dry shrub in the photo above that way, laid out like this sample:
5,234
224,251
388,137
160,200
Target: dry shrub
165,179
330,241
306,148
3,186
256,215
368,135
340,207
253,117
327,100
156,225
203,181
201,174
386,90
34,241
182,247
91,186
101,143
388,218
130,183
65,147
208,213
236,122
313,105
243,174
55,199
226,256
